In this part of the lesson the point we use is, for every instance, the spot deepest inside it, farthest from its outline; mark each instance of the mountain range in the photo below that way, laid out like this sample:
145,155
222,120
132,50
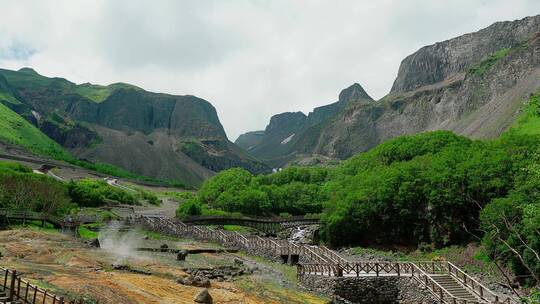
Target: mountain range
474,85
162,136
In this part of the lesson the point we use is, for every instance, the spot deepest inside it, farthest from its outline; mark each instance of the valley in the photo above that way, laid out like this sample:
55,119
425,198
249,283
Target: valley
429,194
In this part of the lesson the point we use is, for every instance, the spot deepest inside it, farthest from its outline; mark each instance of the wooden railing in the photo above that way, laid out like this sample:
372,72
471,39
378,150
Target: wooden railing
421,271
270,225
443,295
57,221
479,289
20,290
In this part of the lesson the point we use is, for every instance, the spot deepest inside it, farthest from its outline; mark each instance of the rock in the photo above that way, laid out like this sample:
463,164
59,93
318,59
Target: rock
201,282
203,297
238,262
95,243
128,268
194,281
181,256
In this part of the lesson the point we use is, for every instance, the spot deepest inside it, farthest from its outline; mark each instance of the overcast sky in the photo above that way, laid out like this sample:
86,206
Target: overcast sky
250,59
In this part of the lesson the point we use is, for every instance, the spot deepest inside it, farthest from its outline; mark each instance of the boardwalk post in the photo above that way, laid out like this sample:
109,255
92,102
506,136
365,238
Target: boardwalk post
12,285
26,292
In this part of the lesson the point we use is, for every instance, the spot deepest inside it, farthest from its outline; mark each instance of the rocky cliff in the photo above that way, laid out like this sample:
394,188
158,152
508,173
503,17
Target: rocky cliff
157,135
473,85
289,135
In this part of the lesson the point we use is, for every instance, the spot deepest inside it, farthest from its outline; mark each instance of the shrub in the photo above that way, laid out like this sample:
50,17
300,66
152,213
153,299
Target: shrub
22,189
95,193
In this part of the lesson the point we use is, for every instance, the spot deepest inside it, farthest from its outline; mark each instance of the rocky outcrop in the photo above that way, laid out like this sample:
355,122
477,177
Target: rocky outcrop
204,297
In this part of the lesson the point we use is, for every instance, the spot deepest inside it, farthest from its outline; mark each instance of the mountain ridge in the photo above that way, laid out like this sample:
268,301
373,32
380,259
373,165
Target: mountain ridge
473,85
152,134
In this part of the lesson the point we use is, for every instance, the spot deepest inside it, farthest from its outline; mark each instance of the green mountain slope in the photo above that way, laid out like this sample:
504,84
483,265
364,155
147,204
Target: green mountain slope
162,136
16,130
528,123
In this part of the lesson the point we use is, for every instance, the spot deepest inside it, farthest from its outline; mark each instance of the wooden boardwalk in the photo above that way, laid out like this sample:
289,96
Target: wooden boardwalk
278,248
445,281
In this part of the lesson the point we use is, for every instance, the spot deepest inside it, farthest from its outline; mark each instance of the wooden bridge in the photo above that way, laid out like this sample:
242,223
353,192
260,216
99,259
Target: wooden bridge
447,283
15,290
68,224
271,226
444,280
287,251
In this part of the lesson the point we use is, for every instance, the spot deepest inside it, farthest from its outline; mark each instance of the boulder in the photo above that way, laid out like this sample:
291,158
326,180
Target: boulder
204,297
94,243
181,256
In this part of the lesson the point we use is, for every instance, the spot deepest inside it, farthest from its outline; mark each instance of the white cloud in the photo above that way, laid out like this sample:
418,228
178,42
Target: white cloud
250,59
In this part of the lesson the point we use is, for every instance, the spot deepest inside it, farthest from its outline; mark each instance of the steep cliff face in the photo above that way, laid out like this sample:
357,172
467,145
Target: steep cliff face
435,63
157,135
474,85
290,135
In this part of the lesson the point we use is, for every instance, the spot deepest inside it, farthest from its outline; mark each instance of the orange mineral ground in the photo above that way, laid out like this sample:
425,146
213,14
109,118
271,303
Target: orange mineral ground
67,266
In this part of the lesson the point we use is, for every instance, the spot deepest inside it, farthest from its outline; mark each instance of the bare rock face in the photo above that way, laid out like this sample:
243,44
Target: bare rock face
204,297
473,85
476,104
437,62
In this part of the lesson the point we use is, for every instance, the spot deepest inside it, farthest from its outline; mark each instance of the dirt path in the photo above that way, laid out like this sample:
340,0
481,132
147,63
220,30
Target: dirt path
166,209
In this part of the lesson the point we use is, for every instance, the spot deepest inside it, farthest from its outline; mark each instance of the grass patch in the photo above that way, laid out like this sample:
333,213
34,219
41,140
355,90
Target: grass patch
99,93
160,237
36,226
237,228
86,233
102,215
485,65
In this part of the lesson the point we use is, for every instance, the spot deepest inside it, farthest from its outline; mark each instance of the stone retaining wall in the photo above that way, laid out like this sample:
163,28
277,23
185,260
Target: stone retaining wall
369,290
